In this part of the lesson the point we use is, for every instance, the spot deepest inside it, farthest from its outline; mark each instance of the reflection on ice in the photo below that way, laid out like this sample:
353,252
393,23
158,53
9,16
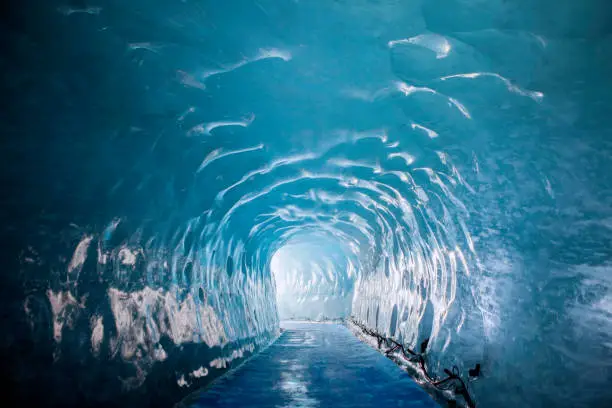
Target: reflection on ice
436,43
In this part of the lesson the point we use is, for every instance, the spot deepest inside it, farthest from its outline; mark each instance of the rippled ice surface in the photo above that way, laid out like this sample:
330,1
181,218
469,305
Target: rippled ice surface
180,175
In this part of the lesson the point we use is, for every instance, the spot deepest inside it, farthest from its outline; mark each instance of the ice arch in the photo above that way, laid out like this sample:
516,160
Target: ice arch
157,155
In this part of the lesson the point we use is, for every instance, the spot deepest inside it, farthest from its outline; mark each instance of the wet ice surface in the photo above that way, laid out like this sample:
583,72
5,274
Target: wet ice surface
315,365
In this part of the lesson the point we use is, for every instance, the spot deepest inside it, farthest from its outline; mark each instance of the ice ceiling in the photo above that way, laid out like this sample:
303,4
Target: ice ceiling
180,175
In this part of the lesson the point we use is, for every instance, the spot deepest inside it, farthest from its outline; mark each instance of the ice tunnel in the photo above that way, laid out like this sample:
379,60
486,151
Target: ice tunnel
181,176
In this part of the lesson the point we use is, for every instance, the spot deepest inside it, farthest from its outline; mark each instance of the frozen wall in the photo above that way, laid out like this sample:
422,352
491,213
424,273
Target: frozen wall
180,175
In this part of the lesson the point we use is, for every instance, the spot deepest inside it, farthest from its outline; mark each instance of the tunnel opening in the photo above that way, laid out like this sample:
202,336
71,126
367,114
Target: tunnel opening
312,280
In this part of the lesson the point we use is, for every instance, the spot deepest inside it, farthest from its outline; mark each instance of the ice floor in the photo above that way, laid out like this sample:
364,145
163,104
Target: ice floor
315,365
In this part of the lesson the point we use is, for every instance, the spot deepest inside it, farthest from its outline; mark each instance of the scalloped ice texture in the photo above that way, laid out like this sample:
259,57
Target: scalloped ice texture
181,175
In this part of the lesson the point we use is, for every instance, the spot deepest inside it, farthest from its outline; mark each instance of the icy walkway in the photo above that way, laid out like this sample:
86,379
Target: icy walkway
315,365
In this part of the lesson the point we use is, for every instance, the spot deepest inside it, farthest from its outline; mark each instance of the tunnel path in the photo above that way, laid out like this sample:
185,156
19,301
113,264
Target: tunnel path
315,365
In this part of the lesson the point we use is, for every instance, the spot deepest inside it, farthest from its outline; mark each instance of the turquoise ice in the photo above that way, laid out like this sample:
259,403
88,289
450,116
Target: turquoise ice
179,176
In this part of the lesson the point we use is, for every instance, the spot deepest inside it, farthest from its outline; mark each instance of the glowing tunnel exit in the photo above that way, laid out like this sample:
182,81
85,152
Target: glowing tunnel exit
314,276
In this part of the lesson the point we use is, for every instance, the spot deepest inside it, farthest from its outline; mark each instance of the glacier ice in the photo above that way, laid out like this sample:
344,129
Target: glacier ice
180,176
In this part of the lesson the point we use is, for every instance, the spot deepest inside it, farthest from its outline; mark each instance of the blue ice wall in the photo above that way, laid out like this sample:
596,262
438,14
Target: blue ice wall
178,175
